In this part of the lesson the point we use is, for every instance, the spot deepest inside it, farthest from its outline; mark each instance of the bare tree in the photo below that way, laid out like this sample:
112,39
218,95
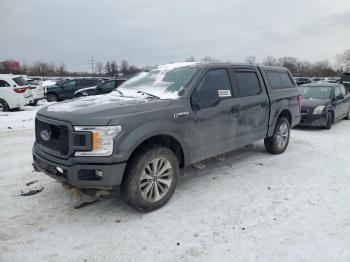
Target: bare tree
99,67
108,68
250,60
343,61
124,66
270,61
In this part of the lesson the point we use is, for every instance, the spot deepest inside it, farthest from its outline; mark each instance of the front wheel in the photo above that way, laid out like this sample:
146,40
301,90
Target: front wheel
348,115
52,98
278,142
329,121
150,178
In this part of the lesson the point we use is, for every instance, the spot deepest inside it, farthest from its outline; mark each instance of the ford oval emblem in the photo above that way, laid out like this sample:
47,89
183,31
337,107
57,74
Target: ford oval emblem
45,135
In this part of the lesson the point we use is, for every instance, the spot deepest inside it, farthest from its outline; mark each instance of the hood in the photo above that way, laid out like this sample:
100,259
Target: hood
100,110
312,102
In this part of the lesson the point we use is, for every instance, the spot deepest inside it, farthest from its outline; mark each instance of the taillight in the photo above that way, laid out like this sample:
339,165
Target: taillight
20,90
298,98
32,87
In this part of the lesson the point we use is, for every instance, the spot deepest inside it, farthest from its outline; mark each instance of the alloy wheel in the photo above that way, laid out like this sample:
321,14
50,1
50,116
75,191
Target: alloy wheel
282,135
156,179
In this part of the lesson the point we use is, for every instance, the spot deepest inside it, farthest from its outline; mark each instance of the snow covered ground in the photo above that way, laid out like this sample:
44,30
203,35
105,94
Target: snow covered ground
250,207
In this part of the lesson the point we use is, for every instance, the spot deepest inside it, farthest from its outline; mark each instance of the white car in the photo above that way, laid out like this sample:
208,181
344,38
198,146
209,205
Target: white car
14,92
35,85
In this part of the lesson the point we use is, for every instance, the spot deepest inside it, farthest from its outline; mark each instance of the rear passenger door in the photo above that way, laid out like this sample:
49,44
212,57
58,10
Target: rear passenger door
216,115
253,105
338,103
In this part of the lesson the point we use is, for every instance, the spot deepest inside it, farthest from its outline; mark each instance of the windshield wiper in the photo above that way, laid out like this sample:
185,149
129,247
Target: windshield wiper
120,92
150,95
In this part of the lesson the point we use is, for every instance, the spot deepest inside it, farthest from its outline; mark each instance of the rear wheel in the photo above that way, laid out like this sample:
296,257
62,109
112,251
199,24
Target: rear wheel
4,106
278,142
329,120
151,178
52,98
348,115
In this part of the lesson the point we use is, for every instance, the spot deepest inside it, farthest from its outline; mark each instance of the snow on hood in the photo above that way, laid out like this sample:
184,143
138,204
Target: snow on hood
48,83
88,102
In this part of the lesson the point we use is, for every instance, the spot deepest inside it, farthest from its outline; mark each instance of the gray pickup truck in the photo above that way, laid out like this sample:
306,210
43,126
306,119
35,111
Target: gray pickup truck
137,138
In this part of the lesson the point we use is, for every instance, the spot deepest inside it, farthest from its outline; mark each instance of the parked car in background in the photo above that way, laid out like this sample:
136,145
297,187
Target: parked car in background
345,80
65,90
333,80
323,104
163,120
101,89
14,92
302,80
318,79
35,85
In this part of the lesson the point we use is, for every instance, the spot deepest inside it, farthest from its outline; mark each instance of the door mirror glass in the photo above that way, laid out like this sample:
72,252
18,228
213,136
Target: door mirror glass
195,102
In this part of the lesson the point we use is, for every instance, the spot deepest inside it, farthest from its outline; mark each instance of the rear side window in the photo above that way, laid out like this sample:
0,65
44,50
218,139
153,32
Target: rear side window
20,81
248,83
280,80
286,81
337,92
214,87
343,90
4,83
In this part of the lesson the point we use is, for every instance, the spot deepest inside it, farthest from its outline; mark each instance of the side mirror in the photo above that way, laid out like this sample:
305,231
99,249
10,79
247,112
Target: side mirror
340,97
14,86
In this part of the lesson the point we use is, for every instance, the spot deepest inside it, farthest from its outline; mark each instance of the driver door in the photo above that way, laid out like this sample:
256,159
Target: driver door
216,115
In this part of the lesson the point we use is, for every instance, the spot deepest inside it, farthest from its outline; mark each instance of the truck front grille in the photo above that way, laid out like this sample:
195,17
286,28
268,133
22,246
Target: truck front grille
52,136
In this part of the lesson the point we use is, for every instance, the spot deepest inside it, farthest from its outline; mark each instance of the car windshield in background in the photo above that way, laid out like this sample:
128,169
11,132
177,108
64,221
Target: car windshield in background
20,81
316,92
164,82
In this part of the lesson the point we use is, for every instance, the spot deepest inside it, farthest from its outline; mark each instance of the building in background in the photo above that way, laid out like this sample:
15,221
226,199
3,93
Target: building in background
10,65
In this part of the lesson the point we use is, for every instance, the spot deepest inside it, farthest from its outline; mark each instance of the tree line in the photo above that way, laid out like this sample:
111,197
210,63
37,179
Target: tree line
124,69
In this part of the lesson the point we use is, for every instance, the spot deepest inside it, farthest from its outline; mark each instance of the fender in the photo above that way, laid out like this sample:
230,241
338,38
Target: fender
127,142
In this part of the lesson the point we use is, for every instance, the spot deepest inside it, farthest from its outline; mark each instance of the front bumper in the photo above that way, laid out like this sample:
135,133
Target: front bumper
81,175
313,120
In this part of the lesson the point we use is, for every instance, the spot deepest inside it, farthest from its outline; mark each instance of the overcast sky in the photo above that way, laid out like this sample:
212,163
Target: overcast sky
160,31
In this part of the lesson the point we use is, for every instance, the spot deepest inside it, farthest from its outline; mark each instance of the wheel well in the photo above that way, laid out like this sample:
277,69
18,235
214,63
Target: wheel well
166,141
286,114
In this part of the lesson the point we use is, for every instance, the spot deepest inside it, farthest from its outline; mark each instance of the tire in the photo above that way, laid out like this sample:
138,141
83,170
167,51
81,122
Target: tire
4,106
140,185
348,115
34,103
52,97
329,121
278,142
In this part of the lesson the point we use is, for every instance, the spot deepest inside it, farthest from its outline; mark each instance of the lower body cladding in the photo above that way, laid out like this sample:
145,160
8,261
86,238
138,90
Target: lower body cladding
95,176
314,120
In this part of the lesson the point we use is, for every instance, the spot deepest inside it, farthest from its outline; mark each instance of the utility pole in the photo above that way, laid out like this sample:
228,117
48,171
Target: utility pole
92,64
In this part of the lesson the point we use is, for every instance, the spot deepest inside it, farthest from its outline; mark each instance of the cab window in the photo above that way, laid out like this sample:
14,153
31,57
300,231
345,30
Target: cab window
214,87
70,84
248,83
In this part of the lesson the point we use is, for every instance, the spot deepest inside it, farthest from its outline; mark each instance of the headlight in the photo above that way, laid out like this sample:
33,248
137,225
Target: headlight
318,110
102,139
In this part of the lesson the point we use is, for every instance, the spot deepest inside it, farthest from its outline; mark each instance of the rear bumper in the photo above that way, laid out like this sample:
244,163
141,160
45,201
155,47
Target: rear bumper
81,176
313,120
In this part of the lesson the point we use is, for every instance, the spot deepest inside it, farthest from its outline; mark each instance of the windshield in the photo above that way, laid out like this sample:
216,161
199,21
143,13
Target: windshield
163,81
316,92
20,81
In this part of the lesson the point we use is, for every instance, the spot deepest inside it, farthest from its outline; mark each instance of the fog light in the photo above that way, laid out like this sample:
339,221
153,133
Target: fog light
98,173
